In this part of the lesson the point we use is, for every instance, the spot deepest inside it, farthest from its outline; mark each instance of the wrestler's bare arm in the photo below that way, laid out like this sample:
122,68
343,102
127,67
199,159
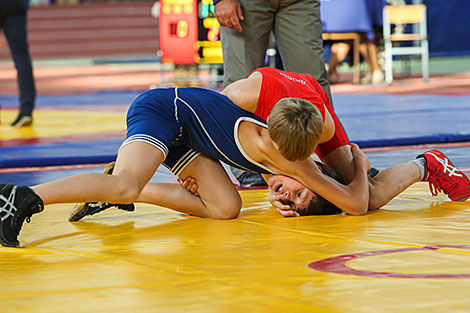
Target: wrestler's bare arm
352,198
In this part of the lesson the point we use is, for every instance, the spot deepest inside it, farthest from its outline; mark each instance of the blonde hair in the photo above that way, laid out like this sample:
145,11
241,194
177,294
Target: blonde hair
296,126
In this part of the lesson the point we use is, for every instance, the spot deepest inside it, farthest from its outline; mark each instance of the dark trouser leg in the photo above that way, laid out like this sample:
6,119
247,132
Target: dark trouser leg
14,27
246,51
298,32
243,53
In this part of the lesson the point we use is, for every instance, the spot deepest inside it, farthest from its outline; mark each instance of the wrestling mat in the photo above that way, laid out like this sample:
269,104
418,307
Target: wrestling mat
413,255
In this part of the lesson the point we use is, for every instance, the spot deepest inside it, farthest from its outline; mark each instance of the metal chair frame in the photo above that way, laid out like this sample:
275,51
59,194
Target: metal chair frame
406,14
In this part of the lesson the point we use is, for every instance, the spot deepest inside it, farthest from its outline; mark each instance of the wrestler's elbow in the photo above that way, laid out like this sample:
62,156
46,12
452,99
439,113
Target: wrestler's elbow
357,212
357,208
377,200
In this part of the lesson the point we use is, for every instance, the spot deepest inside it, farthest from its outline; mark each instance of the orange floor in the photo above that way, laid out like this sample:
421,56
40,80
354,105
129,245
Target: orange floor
65,78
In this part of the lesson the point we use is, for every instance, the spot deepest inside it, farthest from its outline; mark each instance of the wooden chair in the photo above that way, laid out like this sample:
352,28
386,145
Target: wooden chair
405,14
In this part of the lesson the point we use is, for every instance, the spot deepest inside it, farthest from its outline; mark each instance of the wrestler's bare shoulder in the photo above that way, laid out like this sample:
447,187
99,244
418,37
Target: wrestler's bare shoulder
245,92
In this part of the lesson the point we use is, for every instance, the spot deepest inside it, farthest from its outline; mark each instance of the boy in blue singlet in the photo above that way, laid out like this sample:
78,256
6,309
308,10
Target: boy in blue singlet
188,130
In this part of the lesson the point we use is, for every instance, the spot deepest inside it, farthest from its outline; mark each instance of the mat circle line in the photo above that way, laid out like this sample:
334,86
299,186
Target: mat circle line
337,264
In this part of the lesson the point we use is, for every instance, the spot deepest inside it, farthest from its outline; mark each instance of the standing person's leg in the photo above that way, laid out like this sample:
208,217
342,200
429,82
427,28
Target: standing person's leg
374,74
377,73
243,52
15,30
339,51
298,32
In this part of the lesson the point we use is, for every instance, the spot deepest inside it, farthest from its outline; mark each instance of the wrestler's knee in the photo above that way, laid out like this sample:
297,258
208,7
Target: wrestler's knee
230,209
126,191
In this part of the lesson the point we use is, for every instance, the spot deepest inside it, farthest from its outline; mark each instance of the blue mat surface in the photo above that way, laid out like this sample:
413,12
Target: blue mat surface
380,160
97,98
374,120
371,120
66,153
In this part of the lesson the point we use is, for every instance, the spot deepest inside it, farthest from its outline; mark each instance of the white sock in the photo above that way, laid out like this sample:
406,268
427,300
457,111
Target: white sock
420,162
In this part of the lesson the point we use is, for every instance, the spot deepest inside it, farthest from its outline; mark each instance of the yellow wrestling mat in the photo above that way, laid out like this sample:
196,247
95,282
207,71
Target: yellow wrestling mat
410,256
57,122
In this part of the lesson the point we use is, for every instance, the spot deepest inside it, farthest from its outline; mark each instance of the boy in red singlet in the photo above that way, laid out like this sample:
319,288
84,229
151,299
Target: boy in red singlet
267,88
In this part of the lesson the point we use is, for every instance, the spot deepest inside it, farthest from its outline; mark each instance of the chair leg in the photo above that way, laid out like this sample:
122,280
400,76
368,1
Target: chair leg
425,61
388,63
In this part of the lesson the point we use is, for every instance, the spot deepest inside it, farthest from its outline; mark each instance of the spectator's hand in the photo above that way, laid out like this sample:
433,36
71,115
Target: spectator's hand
229,13
189,184
283,209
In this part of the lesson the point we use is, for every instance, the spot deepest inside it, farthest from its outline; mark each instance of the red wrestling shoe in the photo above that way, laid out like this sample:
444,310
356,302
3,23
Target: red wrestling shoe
442,175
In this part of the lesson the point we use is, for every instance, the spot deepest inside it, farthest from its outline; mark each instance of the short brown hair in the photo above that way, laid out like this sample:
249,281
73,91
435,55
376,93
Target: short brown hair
296,126
319,205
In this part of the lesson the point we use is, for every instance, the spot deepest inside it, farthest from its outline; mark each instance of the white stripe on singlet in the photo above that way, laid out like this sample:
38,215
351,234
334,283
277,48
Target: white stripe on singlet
212,141
148,139
237,140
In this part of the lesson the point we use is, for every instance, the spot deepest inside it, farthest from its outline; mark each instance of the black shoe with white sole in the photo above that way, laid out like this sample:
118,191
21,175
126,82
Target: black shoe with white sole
17,204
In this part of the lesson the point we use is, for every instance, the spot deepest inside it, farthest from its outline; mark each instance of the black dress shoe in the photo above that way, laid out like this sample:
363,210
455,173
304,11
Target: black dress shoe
248,179
22,120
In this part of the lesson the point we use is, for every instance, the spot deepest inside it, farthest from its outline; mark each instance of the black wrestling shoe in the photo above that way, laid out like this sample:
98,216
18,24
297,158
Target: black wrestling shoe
83,209
22,120
248,179
17,203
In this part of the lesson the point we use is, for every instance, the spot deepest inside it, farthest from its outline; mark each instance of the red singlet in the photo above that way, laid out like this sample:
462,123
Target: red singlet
279,84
